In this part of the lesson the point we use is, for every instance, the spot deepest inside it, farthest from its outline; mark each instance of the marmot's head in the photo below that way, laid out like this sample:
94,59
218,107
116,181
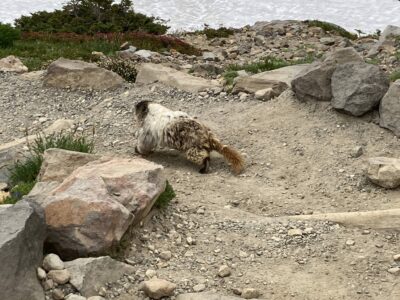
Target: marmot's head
141,110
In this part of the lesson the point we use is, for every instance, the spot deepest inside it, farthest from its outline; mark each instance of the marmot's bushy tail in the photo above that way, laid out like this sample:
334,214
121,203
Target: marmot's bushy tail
230,154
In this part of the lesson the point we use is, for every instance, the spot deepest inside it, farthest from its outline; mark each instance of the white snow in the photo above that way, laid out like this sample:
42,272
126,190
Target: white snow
366,15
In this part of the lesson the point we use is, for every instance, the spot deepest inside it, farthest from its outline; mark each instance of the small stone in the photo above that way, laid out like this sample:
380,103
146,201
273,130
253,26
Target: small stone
57,294
41,274
150,273
48,284
237,291
243,254
59,276
52,262
166,255
350,243
243,96
190,241
308,230
327,41
394,270
224,271
295,232
396,257
199,288
74,297
357,151
96,298
157,288
250,293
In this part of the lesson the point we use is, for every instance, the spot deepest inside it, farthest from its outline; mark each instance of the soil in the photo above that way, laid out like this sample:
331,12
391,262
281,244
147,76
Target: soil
301,158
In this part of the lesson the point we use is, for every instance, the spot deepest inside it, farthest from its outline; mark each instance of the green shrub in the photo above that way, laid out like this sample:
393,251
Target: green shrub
8,35
123,67
165,198
91,16
395,75
329,27
24,173
211,33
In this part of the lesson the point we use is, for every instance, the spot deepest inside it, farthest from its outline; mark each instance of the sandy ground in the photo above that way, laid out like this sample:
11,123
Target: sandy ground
300,160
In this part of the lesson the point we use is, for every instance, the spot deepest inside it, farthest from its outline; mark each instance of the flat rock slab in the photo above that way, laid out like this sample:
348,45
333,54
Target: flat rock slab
150,73
205,296
88,275
285,74
65,73
22,234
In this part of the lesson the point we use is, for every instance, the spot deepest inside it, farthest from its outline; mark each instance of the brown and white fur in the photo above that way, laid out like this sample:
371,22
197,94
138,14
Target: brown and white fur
161,127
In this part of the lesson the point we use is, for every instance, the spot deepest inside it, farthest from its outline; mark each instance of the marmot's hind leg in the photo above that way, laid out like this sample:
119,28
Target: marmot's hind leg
200,157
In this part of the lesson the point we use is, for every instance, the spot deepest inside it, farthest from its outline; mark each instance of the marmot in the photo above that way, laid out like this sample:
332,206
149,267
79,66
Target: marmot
161,127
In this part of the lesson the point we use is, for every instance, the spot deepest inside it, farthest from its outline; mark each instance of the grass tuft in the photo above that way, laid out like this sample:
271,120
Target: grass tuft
165,198
330,27
395,75
24,173
37,49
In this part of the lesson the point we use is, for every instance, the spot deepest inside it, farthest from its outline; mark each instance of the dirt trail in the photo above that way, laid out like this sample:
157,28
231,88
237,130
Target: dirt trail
300,160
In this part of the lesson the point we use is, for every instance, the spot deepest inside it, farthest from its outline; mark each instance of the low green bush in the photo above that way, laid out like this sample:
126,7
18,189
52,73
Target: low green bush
211,33
330,27
123,67
8,35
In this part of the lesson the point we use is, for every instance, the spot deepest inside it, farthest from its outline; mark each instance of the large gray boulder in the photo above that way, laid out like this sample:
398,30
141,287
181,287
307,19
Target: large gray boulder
389,32
384,171
150,73
389,109
22,234
88,275
88,211
65,73
314,83
358,87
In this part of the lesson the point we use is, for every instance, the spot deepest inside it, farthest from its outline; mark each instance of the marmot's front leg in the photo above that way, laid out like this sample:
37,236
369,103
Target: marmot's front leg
200,157
145,144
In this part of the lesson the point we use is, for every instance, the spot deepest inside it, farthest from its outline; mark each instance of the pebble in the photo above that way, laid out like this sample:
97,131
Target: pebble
48,284
394,270
74,297
199,288
96,298
41,273
224,271
295,232
57,294
59,276
396,257
157,288
150,273
52,262
250,293
166,255
350,243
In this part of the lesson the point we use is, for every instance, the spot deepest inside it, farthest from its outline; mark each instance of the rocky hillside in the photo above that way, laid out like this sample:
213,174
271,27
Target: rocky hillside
315,215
